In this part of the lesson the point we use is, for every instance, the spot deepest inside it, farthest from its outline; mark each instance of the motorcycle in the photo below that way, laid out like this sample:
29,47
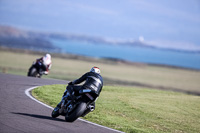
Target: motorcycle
36,70
75,106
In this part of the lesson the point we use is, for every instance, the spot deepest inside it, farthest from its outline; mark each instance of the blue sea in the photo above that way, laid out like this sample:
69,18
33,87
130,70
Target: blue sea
130,53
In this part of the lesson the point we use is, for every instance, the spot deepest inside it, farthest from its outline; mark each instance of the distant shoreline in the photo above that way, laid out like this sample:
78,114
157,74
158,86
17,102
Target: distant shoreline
76,46
87,58
10,35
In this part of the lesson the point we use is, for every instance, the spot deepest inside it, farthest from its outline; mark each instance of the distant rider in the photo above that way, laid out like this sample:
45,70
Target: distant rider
93,81
45,62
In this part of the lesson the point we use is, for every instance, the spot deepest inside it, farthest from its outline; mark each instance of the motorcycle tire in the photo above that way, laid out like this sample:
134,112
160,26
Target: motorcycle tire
55,113
33,72
29,71
77,112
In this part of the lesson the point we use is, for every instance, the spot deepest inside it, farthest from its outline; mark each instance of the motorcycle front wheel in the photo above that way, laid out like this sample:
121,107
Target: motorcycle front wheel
33,72
55,112
77,112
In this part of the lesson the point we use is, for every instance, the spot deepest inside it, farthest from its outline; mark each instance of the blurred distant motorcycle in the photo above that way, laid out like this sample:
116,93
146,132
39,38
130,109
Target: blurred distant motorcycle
36,70
40,67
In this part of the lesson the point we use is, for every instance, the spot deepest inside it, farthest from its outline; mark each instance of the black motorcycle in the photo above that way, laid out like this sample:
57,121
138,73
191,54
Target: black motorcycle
36,70
75,106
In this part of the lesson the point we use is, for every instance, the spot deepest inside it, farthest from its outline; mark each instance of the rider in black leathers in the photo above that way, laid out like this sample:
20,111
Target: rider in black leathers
93,81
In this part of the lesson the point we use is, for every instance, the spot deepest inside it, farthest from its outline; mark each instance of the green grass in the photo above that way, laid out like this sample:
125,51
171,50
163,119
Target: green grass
131,109
128,109
70,69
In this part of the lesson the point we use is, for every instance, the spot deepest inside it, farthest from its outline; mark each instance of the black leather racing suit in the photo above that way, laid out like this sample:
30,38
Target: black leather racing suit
92,80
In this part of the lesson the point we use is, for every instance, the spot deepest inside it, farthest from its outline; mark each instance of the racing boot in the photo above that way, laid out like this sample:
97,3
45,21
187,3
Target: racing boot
66,96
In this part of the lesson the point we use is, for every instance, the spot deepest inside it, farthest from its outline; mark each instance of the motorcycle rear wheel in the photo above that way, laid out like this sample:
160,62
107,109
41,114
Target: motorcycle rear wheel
77,112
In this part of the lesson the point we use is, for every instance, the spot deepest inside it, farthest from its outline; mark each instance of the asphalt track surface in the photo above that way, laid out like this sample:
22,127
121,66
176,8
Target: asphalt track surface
20,114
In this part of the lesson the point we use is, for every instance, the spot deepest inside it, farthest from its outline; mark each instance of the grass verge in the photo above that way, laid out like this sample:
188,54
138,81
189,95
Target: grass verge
131,109
113,72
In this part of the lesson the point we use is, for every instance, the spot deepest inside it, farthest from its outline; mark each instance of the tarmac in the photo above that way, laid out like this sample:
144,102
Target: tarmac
21,114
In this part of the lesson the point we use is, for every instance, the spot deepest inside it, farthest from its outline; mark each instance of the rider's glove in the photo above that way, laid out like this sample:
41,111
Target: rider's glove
46,73
70,83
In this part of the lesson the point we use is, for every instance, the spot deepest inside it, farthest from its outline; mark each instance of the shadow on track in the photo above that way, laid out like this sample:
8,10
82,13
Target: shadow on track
39,116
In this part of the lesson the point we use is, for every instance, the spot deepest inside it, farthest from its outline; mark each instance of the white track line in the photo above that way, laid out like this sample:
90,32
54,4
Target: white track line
27,92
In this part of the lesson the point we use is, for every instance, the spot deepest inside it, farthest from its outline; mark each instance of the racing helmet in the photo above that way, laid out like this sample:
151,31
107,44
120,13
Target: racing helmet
48,56
47,59
95,70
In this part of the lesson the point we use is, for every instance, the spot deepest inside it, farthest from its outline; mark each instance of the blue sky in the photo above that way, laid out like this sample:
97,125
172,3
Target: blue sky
164,23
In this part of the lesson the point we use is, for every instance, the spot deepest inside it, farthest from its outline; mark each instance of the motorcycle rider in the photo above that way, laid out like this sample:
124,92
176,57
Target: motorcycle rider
46,63
93,81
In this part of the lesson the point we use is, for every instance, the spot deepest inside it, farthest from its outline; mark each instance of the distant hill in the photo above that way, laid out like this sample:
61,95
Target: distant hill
13,37
40,41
